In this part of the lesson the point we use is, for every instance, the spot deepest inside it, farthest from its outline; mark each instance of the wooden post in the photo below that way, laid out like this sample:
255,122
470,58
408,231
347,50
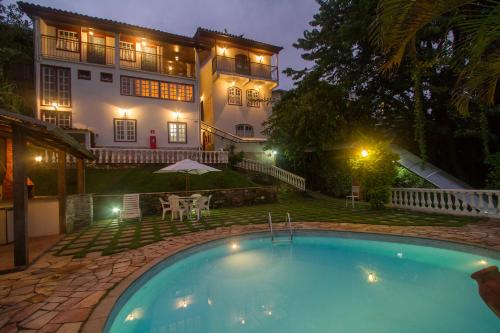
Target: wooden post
61,186
20,197
80,174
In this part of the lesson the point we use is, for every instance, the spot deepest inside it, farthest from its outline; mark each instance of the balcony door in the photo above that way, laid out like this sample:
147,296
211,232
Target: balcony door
96,49
242,65
149,58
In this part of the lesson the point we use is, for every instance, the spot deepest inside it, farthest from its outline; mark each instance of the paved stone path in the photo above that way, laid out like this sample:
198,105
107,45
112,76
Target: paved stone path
59,294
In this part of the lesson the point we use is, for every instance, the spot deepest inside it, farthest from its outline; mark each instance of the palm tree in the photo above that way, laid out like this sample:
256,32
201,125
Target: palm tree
471,46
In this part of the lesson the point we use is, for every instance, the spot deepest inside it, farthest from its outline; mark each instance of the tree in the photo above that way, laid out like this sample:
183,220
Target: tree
471,41
16,54
375,170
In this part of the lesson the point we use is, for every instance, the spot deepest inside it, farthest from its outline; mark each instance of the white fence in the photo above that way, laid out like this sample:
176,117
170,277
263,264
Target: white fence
278,173
146,156
457,202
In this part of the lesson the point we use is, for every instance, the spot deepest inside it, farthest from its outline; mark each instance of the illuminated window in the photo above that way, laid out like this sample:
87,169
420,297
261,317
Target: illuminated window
125,130
130,86
56,86
244,130
154,89
59,118
234,96
127,51
172,91
253,98
164,90
177,132
68,41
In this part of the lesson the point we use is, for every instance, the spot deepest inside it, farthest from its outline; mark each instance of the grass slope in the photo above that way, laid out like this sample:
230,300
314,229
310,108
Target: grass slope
136,180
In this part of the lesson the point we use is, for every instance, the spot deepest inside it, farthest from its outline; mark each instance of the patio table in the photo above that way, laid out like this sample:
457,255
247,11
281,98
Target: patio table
189,201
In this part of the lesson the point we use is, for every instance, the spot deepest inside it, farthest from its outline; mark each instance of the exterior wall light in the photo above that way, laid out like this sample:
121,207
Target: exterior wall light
177,115
364,153
260,58
143,42
223,51
91,33
55,106
38,158
115,210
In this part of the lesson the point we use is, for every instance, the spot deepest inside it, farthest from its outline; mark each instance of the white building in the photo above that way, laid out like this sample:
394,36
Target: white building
116,85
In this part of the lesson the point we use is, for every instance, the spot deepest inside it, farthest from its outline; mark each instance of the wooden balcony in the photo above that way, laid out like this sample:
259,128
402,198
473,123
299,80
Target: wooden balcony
152,62
255,70
76,50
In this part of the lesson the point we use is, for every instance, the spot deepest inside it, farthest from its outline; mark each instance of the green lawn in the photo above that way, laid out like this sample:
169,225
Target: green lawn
136,180
110,237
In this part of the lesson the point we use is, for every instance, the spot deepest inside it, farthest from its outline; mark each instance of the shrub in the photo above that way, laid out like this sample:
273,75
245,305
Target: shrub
493,178
375,172
234,157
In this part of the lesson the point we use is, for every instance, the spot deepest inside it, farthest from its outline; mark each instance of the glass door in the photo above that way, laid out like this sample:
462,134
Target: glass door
149,59
96,49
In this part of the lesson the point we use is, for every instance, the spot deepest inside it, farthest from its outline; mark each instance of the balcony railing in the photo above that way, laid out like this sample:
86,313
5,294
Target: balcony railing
152,62
76,50
236,66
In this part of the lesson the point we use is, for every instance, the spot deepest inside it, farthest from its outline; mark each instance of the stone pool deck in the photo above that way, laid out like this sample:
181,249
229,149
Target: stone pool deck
68,295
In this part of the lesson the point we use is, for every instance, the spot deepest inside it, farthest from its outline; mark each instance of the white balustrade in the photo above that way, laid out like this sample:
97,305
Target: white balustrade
274,171
451,201
145,156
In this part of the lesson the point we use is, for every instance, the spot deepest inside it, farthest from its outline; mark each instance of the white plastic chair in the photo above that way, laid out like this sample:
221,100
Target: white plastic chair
165,207
202,203
177,207
354,196
131,207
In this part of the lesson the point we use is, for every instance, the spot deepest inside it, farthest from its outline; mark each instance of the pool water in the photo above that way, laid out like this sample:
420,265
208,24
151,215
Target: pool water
315,284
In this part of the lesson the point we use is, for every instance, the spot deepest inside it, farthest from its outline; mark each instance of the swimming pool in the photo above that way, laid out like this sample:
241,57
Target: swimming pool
318,283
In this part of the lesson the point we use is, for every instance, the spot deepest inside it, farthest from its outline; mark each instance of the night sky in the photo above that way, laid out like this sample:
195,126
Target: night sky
278,22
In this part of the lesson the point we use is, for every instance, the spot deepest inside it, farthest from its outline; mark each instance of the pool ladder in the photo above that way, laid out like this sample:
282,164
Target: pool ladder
288,224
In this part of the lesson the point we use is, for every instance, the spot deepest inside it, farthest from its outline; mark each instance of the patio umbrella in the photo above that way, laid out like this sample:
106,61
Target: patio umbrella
188,167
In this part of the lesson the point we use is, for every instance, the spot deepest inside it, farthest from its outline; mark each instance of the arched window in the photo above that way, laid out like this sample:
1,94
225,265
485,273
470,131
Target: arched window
253,98
244,130
242,65
234,96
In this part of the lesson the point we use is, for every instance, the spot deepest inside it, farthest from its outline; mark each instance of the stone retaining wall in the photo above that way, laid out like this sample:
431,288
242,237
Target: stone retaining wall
150,205
79,211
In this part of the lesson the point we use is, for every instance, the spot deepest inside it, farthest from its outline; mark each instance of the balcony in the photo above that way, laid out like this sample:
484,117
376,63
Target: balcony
76,50
246,68
152,62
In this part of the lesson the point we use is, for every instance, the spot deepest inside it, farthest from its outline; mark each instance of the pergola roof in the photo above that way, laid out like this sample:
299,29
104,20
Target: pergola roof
43,134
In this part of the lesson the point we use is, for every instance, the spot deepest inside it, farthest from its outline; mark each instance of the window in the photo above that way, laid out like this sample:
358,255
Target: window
253,98
177,132
56,86
67,41
84,75
106,77
234,96
131,86
58,118
244,130
125,130
127,51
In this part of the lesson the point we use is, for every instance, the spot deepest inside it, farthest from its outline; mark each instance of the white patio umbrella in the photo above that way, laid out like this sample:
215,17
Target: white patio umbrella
188,167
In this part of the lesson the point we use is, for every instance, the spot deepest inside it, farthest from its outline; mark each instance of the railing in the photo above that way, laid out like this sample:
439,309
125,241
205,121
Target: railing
278,173
76,50
145,156
152,62
232,65
458,202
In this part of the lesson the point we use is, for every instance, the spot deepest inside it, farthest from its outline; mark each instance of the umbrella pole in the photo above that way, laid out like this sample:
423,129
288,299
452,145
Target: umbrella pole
187,175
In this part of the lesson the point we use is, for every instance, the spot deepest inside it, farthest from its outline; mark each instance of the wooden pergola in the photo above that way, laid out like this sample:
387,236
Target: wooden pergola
23,130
